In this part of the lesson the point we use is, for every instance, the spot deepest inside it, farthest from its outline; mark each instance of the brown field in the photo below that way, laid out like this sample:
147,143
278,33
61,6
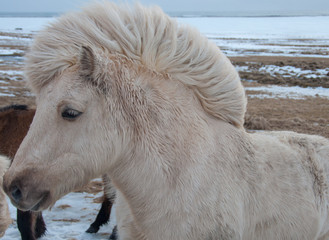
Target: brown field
309,115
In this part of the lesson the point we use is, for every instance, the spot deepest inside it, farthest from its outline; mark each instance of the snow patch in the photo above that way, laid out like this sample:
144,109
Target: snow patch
7,52
69,222
288,71
243,69
2,94
11,72
295,92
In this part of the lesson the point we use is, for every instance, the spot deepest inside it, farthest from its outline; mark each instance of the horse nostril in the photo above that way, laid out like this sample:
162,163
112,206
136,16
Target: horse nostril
16,194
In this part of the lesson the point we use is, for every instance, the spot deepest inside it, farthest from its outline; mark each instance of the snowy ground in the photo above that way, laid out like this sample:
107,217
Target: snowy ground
286,71
68,219
274,91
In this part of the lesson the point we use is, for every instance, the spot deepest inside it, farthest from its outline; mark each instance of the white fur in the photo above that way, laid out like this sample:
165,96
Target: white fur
147,36
162,112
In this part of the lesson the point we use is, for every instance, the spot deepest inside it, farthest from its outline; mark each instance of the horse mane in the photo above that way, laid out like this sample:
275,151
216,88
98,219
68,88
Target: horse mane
147,36
14,107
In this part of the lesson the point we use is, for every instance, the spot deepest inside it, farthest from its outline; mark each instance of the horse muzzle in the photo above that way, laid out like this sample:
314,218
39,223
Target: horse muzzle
24,193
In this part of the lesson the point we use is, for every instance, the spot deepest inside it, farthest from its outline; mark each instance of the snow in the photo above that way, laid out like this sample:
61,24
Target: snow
289,71
243,68
11,72
266,36
10,51
23,24
262,27
286,71
7,94
3,82
274,91
77,207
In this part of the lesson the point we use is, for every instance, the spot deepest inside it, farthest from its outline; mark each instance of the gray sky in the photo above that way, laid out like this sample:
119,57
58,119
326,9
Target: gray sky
174,5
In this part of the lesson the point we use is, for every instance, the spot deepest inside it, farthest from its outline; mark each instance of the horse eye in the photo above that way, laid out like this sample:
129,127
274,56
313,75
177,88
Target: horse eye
70,114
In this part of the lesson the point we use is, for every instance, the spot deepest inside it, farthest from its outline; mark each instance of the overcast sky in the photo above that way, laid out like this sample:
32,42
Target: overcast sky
174,5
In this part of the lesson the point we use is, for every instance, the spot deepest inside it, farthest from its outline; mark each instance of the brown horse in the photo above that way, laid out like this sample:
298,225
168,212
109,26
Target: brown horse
15,121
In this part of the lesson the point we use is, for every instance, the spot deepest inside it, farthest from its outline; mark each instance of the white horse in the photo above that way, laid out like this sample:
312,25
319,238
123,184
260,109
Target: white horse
5,219
127,91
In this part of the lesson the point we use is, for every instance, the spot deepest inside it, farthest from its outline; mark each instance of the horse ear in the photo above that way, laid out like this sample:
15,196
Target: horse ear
87,62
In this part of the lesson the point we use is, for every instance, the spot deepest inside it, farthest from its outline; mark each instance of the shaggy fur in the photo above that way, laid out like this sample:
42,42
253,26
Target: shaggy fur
136,32
5,219
126,91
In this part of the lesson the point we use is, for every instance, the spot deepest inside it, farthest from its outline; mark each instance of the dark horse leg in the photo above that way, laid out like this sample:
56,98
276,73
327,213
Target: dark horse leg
40,226
103,216
30,225
114,235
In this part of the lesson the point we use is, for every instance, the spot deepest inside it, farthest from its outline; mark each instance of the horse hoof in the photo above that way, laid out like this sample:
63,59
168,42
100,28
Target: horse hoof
114,235
92,229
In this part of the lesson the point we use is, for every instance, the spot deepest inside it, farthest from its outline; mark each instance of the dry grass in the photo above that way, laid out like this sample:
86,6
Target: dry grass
304,116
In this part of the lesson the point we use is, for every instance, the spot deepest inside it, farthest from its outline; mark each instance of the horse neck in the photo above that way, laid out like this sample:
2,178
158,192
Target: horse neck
172,141
161,161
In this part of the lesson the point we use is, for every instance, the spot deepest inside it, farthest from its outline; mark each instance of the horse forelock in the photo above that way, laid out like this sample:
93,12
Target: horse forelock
147,36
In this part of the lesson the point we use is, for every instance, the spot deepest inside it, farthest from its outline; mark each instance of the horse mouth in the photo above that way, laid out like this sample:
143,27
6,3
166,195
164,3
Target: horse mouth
39,205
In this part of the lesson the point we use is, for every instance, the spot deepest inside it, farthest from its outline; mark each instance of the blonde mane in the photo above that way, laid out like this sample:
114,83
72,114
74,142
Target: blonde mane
148,36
